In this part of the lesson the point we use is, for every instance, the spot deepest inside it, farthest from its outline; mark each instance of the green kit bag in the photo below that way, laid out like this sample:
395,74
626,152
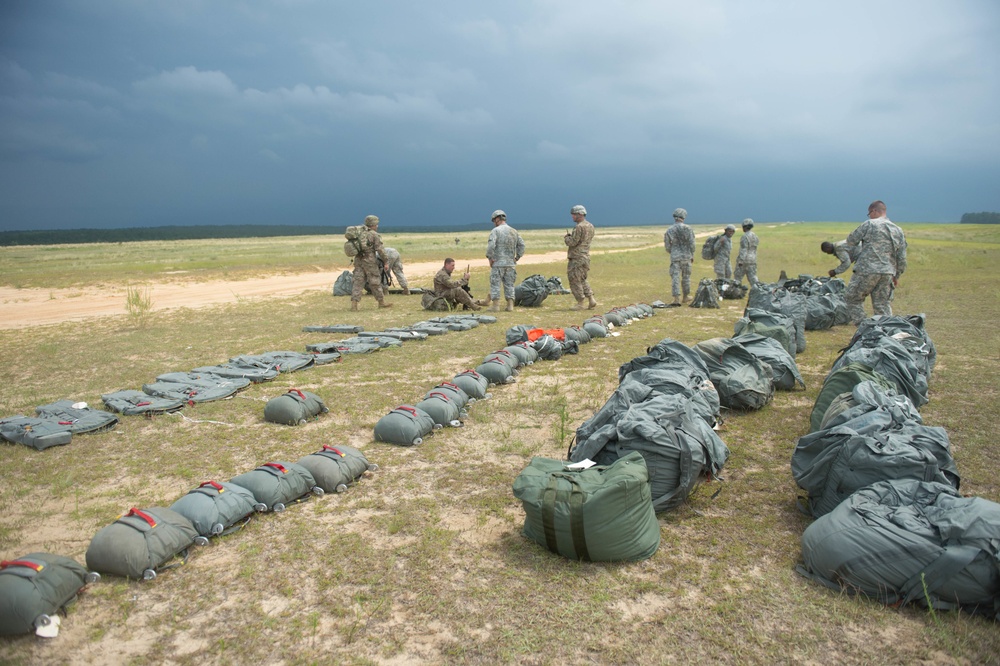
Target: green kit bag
843,380
600,514
217,508
35,587
279,484
294,408
336,467
140,543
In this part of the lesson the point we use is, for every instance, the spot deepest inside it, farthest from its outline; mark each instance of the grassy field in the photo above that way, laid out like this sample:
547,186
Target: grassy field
424,562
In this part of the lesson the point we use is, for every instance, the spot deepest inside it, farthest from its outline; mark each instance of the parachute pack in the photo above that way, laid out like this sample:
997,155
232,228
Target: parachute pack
708,248
354,236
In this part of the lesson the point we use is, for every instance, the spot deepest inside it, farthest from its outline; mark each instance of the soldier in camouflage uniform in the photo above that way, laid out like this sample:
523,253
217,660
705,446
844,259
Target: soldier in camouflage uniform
504,248
679,242
395,264
842,251
746,260
451,290
578,258
723,248
881,259
366,270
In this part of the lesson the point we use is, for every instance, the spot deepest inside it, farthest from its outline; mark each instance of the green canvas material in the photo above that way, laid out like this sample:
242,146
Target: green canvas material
33,585
132,544
277,483
215,506
335,466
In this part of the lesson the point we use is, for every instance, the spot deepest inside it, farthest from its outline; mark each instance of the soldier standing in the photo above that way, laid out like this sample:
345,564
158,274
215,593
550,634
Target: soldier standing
679,242
746,260
723,248
504,248
366,270
881,259
451,290
578,258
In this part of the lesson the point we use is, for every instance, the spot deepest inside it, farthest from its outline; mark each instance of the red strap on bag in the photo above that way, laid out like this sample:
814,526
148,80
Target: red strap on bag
411,410
141,514
337,451
277,466
295,390
215,484
21,563
440,395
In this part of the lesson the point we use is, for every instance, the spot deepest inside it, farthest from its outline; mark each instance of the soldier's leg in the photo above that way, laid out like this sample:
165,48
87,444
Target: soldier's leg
686,279
720,267
752,274
495,284
738,273
857,289
461,297
729,270
585,286
675,281
575,283
397,270
882,296
509,277
358,286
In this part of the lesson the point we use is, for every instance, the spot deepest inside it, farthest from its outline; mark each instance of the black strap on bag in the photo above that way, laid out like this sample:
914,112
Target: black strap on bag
577,531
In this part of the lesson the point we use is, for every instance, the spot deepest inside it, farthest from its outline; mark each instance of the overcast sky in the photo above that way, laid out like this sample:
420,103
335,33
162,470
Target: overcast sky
122,113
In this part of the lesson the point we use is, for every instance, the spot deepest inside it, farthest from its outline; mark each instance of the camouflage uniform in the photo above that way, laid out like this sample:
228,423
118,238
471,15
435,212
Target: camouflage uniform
395,264
451,290
504,248
746,260
578,259
881,258
679,242
723,248
366,270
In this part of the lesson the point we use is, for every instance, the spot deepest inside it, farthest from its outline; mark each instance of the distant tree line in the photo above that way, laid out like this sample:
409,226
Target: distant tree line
980,218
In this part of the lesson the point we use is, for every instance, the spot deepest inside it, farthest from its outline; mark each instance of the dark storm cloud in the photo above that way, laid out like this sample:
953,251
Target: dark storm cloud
116,113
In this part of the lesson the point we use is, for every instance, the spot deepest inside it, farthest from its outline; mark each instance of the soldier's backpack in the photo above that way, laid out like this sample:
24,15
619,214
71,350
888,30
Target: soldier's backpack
80,419
775,325
429,301
294,408
130,402
891,359
355,238
344,284
531,292
665,353
34,588
336,467
730,289
405,426
141,543
473,383
831,464
548,348
708,247
443,410
784,370
600,514
909,541
596,327
869,407
706,296
511,359
256,371
216,508
279,484
37,433
193,387
843,380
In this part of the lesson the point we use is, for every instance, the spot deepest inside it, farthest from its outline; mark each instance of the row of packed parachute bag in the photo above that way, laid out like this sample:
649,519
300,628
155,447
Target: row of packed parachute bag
446,404
651,444
144,542
891,523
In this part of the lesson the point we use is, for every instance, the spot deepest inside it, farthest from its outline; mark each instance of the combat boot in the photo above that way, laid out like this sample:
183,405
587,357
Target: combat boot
475,307
495,307
482,302
406,291
354,306
383,304
510,305
676,302
592,303
580,305
687,297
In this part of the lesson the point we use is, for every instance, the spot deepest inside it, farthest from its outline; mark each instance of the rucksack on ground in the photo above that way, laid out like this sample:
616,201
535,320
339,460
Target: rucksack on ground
215,508
600,514
141,543
35,587
334,468
276,485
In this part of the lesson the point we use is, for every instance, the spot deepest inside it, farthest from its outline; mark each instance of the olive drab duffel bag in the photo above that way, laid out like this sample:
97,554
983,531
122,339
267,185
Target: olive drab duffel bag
524,352
34,588
405,425
216,508
279,484
336,467
457,395
496,371
600,514
511,359
841,381
141,543
294,408
473,383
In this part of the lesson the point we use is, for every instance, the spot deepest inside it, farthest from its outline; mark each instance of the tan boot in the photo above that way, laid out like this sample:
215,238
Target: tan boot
580,305
592,303
354,306
475,307
406,292
495,307
687,297
383,304
510,305
482,302
676,301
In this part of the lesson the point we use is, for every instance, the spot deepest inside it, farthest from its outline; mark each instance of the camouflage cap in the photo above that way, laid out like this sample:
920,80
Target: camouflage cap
371,221
730,227
748,223
498,213
578,210
680,214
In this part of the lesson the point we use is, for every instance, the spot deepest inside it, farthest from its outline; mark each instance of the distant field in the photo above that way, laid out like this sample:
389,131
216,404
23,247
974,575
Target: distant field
424,562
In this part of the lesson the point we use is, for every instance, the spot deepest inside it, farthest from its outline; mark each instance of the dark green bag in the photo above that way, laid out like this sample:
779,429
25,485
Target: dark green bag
294,408
278,484
600,514
840,381
35,587
336,467
215,508
140,543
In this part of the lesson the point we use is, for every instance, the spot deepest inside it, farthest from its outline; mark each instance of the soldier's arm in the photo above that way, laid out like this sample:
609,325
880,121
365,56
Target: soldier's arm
520,248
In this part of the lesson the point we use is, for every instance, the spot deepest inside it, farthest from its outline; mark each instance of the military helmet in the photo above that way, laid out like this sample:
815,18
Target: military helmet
730,227
747,224
680,214
371,221
578,210
498,213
